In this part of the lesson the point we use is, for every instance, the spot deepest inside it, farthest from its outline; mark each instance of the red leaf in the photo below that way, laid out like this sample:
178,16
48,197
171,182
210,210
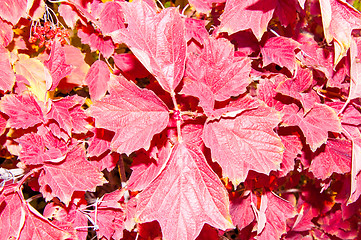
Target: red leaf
216,74
3,122
281,51
35,150
13,10
96,42
204,6
241,211
145,169
192,134
277,212
68,114
287,11
338,20
297,88
78,119
293,146
130,66
100,142
108,161
335,157
134,114
7,76
111,13
68,14
12,215
196,29
191,190
68,218
157,40
56,65
315,124
266,91
333,224
6,34
246,142
75,173
303,222
36,227
23,111
247,14
97,79
59,112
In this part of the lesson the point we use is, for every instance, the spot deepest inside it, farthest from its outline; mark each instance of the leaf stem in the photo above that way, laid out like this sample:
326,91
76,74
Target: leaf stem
180,140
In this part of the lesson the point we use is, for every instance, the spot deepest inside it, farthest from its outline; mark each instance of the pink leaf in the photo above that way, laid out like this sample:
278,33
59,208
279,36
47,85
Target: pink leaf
110,223
78,119
315,124
277,212
34,150
97,79
59,112
23,110
74,174
36,227
145,169
157,40
338,20
134,114
196,29
281,51
334,157
266,91
241,211
247,14
111,13
192,191
68,218
298,88
13,10
57,65
6,34
216,74
293,146
7,76
97,42
100,142
68,14
12,215
246,142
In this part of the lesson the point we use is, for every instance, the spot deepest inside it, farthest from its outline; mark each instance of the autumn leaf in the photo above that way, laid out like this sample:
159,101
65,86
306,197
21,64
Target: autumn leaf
315,124
245,142
132,113
338,20
215,74
157,40
248,14
193,202
75,173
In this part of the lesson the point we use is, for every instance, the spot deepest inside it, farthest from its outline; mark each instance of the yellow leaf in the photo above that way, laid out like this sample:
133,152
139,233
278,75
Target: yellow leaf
35,72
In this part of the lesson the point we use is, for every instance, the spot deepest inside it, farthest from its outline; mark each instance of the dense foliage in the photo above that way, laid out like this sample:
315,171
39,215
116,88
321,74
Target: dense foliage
199,119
